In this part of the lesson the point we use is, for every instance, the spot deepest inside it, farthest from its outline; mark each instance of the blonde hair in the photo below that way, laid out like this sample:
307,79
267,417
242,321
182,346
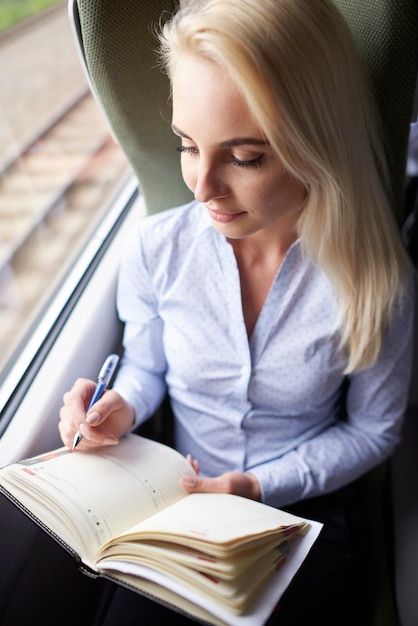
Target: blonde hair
296,65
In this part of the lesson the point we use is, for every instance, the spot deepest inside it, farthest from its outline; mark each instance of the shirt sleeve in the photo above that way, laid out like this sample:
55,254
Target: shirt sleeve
140,379
367,435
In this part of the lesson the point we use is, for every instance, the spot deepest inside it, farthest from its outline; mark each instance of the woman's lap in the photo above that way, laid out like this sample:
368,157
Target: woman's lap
333,586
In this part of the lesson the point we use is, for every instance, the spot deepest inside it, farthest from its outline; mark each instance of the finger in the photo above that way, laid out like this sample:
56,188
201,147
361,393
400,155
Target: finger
75,401
81,392
94,437
66,428
194,463
196,484
111,403
245,485
98,415
74,419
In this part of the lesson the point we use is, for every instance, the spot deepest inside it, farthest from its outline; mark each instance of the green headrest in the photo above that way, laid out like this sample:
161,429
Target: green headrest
119,48
386,34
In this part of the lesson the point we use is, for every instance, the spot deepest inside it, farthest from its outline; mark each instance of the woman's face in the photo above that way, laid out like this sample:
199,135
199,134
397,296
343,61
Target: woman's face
225,159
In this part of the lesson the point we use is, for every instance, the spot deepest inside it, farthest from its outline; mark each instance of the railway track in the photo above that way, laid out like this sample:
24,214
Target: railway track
35,182
57,181
51,199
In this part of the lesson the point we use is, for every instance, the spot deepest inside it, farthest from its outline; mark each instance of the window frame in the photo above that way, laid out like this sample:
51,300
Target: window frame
71,339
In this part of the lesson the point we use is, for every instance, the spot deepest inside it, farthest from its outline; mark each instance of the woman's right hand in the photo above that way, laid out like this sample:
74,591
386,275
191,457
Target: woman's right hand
107,420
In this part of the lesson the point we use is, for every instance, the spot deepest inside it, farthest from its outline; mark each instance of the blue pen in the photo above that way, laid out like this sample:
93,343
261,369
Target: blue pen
105,376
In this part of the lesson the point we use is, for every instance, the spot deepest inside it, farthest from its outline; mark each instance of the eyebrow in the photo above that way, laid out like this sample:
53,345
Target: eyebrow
238,141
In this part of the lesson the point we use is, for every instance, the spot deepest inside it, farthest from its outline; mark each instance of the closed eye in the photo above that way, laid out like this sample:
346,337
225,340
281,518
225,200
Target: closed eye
250,163
187,149
253,163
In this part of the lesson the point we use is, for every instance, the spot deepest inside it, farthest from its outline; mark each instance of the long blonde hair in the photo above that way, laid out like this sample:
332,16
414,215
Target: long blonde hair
296,65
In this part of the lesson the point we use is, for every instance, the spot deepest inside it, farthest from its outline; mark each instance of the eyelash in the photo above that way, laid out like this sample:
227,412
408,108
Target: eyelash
253,164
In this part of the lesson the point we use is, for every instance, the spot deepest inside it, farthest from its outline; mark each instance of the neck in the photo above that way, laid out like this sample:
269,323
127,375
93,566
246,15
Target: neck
261,248
258,262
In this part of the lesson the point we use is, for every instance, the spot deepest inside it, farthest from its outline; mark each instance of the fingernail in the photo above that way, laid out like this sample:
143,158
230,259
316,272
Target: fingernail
83,430
93,418
189,481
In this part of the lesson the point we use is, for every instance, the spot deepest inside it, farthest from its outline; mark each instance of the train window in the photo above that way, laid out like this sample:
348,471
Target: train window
60,170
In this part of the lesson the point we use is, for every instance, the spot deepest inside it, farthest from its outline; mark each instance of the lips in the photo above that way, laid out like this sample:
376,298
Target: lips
224,218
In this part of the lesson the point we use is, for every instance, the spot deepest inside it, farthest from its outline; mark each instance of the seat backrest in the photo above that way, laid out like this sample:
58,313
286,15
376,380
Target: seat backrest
386,34
118,45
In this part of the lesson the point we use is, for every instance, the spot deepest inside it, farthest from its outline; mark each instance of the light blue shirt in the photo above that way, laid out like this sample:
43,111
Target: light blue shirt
269,405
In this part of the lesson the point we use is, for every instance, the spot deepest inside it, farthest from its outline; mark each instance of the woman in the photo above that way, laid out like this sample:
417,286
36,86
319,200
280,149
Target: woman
276,308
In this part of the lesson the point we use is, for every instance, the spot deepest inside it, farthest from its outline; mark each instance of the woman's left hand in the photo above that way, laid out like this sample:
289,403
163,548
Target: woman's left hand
245,485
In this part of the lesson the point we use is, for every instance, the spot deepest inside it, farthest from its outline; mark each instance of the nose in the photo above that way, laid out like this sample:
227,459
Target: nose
209,182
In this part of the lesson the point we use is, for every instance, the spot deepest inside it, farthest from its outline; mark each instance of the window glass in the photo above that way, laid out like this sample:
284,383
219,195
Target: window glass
59,167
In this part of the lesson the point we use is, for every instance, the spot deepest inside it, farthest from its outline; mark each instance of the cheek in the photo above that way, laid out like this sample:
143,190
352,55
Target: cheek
257,191
285,190
187,171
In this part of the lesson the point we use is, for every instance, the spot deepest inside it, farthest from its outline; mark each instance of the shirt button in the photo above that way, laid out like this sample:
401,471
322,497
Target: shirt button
244,370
